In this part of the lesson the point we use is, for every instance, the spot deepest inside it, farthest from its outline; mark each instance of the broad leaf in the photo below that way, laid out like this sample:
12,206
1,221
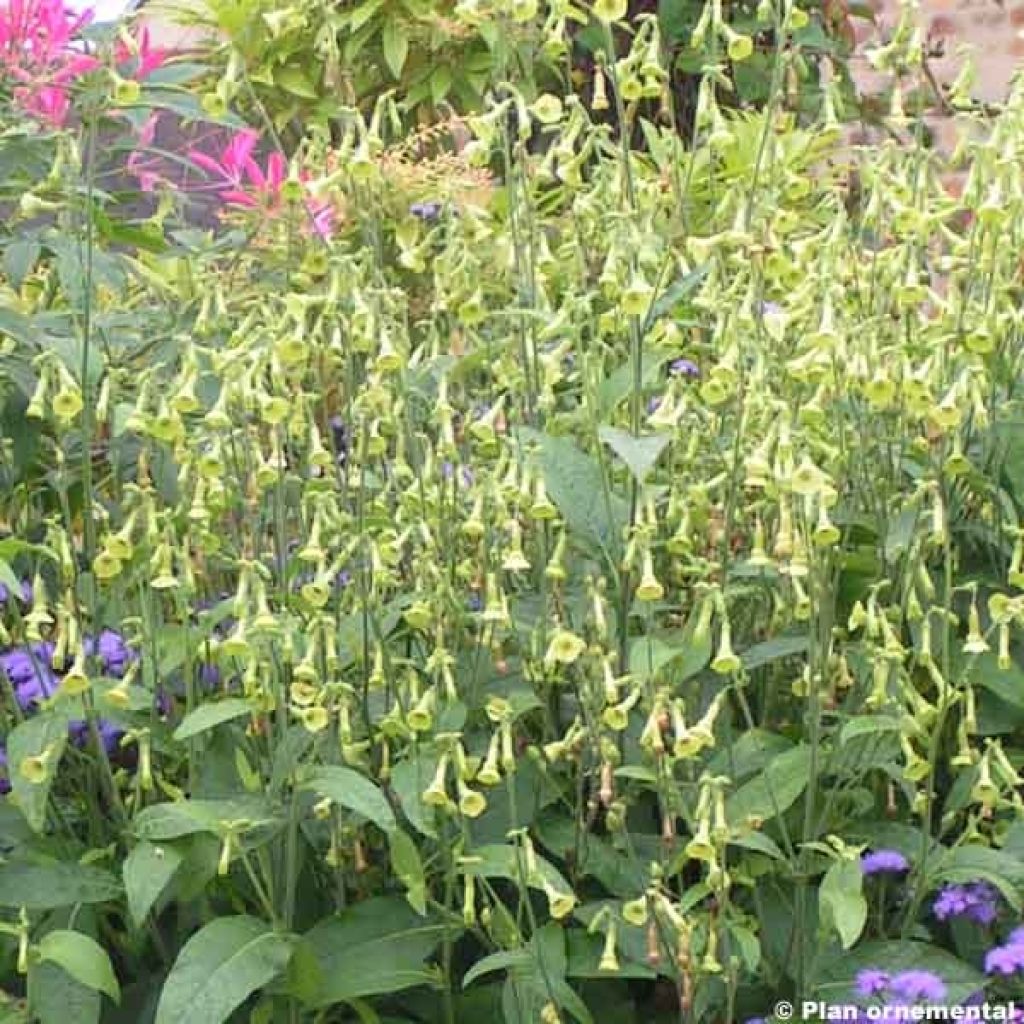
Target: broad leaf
185,817
43,736
638,453
147,871
408,866
44,886
378,946
81,957
775,790
219,968
841,900
209,716
349,789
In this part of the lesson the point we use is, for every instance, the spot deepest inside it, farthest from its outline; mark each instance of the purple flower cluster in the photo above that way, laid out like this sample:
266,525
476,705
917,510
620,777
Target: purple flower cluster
30,671
880,862
1008,958
899,990
977,901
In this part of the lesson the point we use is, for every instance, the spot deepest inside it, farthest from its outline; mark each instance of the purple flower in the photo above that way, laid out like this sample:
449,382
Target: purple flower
428,211
977,901
26,592
110,734
684,368
884,861
115,654
770,307
30,674
652,404
1005,960
5,782
870,982
918,985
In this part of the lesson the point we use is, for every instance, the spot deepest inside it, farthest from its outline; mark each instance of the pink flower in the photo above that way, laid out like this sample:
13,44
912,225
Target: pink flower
37,50
146,58
243,182
140,166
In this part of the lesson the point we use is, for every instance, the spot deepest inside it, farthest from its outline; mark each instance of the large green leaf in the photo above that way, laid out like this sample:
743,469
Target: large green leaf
209,716
374,947
45,732
43,886
775,790
147,871
356,792
55,997
408,866
841,900
81,957
638,453
575,484
220,967
185,817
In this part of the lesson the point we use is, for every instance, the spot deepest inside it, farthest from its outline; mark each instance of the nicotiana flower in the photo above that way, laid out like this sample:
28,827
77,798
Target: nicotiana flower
884,862
977,901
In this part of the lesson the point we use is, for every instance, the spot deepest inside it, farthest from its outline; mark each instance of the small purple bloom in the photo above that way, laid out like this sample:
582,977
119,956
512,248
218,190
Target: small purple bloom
652,404
475,602
26,592
1005,960
884,861
110,734
769,308
977,901
427,211
918,985
115,654
870,982
684,368
5,782
30,674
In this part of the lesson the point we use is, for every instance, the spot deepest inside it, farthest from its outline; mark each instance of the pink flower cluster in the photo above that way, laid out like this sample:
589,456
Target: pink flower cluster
242,182
40,52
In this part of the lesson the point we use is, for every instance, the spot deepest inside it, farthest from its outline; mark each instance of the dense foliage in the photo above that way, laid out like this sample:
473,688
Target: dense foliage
542,567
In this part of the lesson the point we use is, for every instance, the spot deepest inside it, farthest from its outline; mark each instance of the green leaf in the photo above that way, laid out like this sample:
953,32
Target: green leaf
44,886
83,958
841,900
775,790
408,780
19,259
772,650
440,83
864,725
374,947
147,871
356,792
638,453
296,81
408,866
1006,683
185,817
395,43
46,731
55,997
209,716
649,655
219,968
503,861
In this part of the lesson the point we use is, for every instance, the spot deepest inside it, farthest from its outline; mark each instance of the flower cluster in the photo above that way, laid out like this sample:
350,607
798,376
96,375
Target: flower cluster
880,862
1007,958
976,901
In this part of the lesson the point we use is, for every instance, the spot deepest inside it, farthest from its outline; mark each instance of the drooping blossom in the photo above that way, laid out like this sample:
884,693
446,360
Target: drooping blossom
977,901
884,862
